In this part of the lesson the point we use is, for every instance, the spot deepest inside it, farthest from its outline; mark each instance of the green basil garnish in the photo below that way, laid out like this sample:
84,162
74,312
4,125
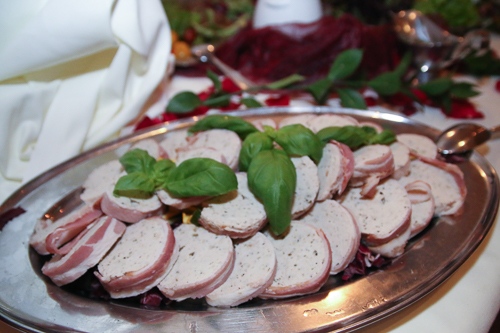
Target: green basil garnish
161,170
235,124
137,160
355,137
299,140
386,137
200,177
135,185
272,179
253,144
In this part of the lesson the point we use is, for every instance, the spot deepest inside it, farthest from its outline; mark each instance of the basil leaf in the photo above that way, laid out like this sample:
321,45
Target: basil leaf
135,185
235,124
436,87
215,80
272,178
385,137
403,64
345,64
320,90
199,177
387,83
463,90
299,140
161,170
218,101
370,131
285,82
253,144
250,102
184,102
138,160
351,136
351,99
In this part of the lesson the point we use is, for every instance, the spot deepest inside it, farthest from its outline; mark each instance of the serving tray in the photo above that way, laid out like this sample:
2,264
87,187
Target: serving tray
30,301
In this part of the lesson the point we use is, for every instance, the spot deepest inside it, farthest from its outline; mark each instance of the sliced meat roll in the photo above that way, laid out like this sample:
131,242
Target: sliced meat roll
401,155
225,141
446,181
204,263
260,123
205,152
307,185
130,210
237,214
173,141
87,252
180,203
304,261
372,162
334,170
254,271
152,147
394,247
49,236
377,127
331,120
302,119
340,228
100,180
418,144
382,218
140,260
422,205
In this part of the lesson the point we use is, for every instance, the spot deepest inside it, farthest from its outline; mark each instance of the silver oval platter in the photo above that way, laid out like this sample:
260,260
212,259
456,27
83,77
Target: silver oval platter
31,302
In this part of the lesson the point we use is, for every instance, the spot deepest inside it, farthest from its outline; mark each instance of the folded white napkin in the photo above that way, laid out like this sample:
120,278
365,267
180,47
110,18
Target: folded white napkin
72,74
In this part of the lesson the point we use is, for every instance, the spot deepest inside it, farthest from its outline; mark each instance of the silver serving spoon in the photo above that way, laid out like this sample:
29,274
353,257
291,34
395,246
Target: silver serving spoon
461,139
205,53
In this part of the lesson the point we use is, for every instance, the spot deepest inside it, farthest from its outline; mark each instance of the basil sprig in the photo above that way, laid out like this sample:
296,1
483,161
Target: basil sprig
235,124
253,144
272,178
193,177
355,137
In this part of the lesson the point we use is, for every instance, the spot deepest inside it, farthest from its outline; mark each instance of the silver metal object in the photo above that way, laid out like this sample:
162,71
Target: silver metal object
30,301
435,48
462,138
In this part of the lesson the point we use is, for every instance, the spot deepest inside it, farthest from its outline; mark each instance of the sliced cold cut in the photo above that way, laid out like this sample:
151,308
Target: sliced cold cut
100,180
331,120
372,161
446,181
254,271
334,170
307,185
401,155
302,119
394,247
418,144
423,206
304,261
382,218
173,141
140,260
87,252
225,141
238,214
340,228
204,263
49,236
180,203
152,147
199,152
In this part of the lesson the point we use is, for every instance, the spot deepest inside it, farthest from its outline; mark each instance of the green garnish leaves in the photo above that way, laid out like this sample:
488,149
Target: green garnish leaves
200,177
184,102
299,140
137,160
253,144
345,64
135,185
355,137
235,124
272,178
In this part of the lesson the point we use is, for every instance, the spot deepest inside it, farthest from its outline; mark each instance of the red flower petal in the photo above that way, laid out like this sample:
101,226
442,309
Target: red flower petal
370,101
229,86
497,86
147,122
282,100
463,109
422,97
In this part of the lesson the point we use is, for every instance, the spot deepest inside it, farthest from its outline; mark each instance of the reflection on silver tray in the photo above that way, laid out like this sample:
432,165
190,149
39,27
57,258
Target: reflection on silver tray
31,301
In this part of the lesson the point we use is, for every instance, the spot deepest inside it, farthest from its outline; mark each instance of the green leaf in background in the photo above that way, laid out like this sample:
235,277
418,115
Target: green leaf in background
486,64
403,64
320,90
345,64
463,90
299,140
386,137
235,124
254,143
250,102
351,99
135,185
457,13
272,178
285,82
138,160
200,177
218,101
184,102
387,84
215,80
351,136
436,87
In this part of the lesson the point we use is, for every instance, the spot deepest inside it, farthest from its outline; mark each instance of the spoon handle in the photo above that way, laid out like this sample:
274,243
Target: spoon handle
495,132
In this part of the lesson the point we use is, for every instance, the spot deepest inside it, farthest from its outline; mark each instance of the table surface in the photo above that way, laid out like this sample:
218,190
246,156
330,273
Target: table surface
470,299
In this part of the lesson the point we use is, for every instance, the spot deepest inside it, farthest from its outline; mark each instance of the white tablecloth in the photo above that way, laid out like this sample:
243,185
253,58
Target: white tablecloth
468,301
